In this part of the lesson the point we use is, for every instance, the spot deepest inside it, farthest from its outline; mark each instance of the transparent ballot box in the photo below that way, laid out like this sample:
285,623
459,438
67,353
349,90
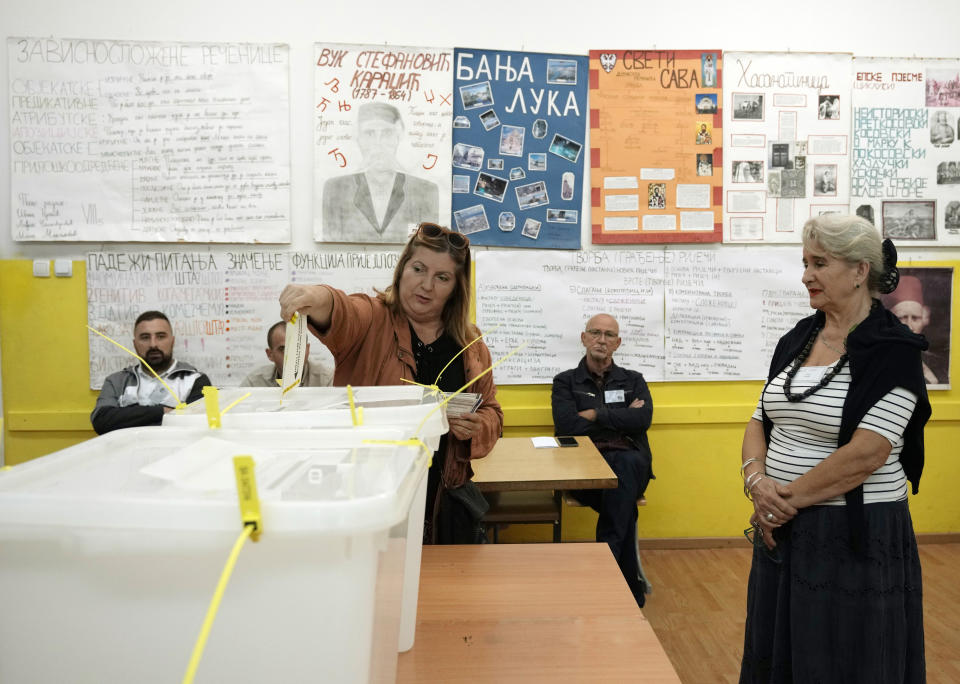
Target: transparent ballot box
110,552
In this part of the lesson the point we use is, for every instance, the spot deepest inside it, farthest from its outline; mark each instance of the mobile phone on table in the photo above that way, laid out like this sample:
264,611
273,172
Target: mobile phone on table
567,441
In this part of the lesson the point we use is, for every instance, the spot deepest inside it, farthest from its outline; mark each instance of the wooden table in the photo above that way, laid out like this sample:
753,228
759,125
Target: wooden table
514,464
529,613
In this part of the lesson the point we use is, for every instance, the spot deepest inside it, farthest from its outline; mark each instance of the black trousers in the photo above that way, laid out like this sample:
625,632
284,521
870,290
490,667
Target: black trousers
617,508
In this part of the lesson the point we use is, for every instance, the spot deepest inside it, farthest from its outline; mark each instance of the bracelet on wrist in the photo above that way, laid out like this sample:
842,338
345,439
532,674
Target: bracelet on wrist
746,463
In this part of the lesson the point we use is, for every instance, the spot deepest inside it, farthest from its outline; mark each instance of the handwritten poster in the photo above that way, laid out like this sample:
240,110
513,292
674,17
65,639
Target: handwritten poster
220,305
519,130
787,156
905,172
684,314
381,140
149,142
656,137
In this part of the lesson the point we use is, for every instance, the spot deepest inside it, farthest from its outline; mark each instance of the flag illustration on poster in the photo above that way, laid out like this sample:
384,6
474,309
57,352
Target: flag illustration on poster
787,157
519,129
381,155
905,171
656,141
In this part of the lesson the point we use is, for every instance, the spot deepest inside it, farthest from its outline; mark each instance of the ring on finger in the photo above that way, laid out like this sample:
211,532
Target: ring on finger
769,517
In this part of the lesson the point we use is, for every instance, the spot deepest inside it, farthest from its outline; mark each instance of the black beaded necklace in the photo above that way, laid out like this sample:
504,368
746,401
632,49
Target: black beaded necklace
801,357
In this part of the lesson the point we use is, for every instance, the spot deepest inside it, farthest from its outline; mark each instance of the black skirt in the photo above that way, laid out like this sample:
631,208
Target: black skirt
825,614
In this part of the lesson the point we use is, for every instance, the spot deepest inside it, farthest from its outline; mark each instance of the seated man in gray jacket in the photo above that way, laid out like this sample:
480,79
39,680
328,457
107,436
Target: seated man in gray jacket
316,375
134,396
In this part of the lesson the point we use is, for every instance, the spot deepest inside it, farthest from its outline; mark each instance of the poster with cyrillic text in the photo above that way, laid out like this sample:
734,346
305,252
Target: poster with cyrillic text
905,175
787,118
544,299
133,141
220,305
519,133
381,155
656,142
685,314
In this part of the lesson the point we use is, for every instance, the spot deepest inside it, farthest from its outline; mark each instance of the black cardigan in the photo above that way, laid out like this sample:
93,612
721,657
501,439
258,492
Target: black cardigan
883,354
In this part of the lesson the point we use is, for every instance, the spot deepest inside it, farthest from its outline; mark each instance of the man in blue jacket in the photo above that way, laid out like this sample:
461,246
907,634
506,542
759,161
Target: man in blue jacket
612,406
134,396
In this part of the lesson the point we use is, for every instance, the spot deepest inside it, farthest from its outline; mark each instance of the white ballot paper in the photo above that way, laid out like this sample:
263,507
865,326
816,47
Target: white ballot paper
544,442
294,352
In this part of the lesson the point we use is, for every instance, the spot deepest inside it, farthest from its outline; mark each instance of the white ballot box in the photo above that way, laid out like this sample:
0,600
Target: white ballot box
110,551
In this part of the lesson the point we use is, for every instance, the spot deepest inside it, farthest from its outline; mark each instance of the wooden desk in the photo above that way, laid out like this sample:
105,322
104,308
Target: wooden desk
515,465
529,613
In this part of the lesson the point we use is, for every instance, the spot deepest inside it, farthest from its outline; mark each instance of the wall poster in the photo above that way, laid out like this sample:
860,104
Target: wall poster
519,130
149,142
787,156
381,140
656,145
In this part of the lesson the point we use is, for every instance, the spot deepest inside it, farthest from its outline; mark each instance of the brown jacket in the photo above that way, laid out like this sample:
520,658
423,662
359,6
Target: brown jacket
372,346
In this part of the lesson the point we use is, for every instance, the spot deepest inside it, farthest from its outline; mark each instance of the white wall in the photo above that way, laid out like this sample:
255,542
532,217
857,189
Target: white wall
922,28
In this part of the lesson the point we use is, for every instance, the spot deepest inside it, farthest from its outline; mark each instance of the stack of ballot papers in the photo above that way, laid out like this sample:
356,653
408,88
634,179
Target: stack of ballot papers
465,402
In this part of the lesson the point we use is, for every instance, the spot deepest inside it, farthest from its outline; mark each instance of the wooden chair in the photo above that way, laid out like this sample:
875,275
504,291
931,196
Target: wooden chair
525,508
642,501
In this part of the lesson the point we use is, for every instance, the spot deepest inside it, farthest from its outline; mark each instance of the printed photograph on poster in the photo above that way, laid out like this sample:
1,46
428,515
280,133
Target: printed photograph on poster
922,302
382,141
909,220
476,95
511,140
747,107
747,172
467,157
941,132
828,107
461,183
491,187
706,103
793,183
948,173
656,195
566,148
825,180
461,122
866,211
951,217
531,229
943,87
773,183
704,164
489,120
562,71
532,195
704,133
708,71
507,221
562,215
538,97
471,220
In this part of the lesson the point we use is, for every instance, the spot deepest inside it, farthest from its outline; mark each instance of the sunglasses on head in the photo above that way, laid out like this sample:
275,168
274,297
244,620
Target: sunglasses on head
455,240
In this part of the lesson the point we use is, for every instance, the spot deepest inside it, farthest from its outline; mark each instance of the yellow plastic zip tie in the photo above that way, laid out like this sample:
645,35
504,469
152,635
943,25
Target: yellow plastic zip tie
479,337
180,404
211,402
353,406
243,467
294,384
215,605
453,394
233,403
413,441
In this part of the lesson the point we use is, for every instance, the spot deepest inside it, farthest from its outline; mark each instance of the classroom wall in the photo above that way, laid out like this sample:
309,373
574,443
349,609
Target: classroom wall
697,426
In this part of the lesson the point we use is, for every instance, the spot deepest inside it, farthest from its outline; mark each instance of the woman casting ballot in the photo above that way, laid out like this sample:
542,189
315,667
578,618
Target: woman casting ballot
835,594
411,331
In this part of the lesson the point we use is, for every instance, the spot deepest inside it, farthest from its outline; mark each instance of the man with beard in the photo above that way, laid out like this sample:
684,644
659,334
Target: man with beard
612,406
134,396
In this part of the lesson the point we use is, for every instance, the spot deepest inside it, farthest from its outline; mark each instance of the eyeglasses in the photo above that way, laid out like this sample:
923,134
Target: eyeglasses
454,239
597,334
754,535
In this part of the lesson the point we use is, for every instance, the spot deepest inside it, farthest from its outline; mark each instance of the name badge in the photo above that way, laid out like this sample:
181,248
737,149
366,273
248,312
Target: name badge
809,375
613,396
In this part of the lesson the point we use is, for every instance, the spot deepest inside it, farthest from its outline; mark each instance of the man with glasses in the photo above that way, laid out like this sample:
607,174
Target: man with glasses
612,406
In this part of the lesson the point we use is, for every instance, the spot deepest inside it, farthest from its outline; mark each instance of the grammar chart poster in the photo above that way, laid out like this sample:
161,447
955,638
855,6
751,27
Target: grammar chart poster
149,142
519,132
381,140
787,118
656,140
905,171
